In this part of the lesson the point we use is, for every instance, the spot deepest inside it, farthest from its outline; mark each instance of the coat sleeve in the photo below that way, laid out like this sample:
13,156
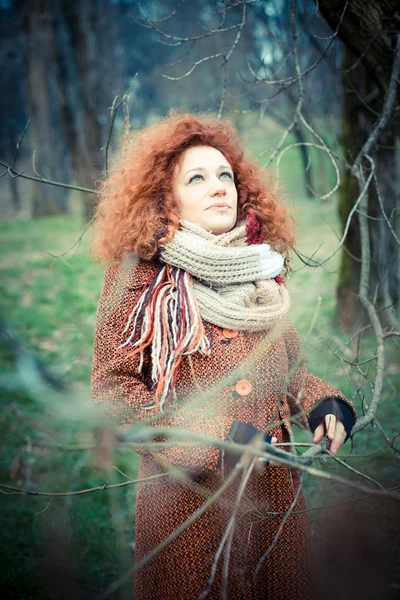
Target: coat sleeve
305,392
123,394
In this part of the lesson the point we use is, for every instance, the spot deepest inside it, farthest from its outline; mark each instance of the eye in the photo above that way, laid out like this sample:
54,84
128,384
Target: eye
193,178
226,173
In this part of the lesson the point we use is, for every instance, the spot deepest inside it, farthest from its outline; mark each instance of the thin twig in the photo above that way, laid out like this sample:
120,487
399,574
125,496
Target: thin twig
179,39
364,299
114,110
288,81
100,488
353,470
13,173
285,518
18,146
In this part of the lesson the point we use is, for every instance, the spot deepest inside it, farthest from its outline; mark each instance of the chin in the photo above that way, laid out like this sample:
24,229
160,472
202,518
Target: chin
217,228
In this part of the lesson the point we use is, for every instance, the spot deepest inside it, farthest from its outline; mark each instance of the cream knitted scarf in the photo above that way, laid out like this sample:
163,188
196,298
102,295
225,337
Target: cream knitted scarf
216,278
233,283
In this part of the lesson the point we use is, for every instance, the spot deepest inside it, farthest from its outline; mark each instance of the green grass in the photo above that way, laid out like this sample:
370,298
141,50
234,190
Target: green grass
50,304
49,291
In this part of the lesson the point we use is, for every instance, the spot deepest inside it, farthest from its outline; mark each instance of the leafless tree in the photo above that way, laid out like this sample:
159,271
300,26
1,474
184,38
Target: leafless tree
370,38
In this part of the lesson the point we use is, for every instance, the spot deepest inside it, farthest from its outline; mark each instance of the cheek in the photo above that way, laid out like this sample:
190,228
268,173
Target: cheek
188,202
236,200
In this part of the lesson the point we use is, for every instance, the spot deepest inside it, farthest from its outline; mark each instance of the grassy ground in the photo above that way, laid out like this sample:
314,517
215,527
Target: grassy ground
50,289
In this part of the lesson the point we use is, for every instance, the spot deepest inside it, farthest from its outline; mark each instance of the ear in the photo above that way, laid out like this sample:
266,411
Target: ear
253,229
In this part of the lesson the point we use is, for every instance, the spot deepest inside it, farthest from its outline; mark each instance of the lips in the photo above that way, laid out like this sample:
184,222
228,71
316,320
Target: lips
219,206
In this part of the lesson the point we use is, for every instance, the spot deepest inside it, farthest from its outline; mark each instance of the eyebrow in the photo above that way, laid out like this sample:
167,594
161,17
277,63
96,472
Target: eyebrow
203,169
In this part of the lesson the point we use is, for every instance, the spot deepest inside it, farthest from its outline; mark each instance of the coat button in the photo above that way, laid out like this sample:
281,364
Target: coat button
243,387
229,333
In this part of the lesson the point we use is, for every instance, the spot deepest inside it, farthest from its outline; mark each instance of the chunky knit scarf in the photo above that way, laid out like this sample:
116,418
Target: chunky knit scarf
221,279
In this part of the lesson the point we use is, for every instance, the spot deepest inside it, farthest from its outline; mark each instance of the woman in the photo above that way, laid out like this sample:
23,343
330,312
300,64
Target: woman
193,333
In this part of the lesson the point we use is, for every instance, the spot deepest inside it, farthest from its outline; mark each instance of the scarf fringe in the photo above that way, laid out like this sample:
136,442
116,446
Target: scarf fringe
166,316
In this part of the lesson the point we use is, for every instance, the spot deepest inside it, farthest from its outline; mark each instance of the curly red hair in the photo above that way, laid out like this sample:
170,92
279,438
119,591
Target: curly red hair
137,210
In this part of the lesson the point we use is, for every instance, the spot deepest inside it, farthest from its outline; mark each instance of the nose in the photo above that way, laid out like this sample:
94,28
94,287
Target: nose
217,187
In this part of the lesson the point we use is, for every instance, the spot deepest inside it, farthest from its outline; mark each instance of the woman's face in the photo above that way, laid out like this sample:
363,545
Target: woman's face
205,190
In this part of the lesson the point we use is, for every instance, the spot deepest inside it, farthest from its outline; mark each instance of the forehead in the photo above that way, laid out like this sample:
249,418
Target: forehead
200,156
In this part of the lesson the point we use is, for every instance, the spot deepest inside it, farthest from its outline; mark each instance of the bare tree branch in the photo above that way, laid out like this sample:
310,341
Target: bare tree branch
13,173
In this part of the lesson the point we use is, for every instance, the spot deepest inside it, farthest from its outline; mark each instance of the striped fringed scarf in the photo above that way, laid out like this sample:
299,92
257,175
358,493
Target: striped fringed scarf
166,316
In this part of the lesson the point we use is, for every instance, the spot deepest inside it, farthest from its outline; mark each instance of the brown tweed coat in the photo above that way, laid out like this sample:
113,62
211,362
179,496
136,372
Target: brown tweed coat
280,388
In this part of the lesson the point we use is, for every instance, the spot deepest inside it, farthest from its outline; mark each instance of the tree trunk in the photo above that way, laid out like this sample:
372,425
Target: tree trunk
359,120
368,29
43,134
370,36
71,51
